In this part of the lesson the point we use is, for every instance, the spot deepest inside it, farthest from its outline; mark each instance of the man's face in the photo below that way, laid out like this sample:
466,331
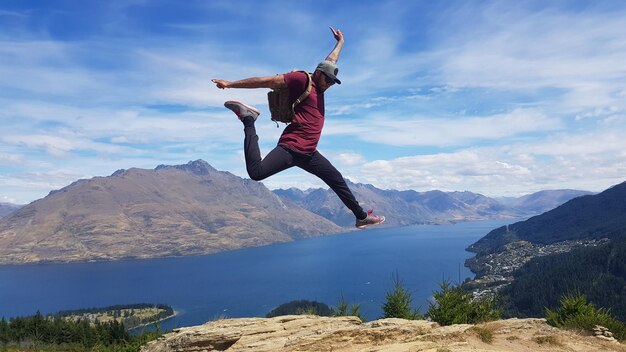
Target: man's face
322,81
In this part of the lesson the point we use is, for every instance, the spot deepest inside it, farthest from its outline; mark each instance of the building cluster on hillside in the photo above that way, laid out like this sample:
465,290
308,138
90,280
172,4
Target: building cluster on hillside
495,270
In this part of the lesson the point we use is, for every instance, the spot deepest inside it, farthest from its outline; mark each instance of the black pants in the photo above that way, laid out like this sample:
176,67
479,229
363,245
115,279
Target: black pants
281,158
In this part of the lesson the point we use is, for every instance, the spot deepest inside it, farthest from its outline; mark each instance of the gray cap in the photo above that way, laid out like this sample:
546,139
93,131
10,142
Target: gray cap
329,69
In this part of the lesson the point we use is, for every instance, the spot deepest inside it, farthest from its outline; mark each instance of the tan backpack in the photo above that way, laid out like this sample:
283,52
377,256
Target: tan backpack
280,106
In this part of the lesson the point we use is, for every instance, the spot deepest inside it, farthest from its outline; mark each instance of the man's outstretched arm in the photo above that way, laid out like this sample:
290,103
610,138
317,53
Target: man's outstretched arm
277,81
334,54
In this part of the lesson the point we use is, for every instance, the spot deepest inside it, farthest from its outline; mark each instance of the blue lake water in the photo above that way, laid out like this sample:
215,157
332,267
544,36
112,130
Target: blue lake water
251,282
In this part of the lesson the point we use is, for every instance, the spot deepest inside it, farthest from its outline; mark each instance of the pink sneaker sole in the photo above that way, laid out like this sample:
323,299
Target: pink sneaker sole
382,219
236,107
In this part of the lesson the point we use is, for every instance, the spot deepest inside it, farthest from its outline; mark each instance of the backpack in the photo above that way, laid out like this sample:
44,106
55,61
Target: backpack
281,108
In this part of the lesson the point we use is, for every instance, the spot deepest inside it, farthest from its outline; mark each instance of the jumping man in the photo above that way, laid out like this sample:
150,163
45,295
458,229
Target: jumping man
297,145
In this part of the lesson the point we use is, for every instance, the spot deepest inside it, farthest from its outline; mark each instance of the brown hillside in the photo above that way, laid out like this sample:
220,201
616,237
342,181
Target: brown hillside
139,213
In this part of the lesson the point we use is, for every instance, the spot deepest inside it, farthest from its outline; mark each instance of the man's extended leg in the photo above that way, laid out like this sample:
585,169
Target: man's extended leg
274,162
322,168
258,169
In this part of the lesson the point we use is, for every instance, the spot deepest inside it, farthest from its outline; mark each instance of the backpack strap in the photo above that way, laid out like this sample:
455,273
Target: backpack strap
306,92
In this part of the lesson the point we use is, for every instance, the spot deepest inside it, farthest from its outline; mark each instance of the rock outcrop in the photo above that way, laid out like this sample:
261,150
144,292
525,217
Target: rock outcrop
312,333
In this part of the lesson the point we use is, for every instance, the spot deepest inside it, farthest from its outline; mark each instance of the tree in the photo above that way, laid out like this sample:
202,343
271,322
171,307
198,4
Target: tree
398,304
455,306
37,328
4,332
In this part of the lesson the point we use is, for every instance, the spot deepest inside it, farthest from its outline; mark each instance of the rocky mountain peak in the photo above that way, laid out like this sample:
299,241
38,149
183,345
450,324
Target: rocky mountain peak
197,167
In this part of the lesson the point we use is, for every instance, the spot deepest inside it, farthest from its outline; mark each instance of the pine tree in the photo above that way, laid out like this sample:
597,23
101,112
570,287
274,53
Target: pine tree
456,306
398,304
4,332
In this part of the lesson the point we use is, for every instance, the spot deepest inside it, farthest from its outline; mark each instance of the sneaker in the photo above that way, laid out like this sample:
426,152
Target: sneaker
369,220
242,110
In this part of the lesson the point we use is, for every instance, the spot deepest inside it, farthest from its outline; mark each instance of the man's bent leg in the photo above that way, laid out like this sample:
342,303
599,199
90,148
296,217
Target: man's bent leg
319,166
258,169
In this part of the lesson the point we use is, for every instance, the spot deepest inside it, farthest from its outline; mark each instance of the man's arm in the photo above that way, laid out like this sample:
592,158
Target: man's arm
334,54
276,81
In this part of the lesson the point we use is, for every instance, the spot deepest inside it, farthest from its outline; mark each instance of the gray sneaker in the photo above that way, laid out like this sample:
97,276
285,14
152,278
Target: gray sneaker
242,110
369,220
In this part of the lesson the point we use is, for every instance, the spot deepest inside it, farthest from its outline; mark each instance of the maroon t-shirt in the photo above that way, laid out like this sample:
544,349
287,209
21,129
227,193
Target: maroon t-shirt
304,133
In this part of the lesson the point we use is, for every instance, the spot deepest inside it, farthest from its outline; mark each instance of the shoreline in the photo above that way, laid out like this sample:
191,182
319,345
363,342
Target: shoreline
154,322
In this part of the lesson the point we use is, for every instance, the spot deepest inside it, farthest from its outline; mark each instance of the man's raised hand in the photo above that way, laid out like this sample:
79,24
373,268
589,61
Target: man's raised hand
337,34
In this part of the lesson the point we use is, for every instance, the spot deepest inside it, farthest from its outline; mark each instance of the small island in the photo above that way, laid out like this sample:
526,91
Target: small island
131,315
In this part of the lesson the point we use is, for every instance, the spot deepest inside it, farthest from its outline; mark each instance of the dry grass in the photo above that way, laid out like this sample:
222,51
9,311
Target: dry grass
484,334
547,339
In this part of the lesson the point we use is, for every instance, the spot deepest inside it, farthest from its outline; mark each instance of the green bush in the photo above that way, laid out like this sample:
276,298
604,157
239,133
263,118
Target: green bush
398,304
456,306
345,310
575,313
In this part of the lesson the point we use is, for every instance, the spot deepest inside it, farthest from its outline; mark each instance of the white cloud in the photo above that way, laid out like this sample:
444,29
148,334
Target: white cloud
23,188
350,158
518,49
5,199
12,14
53,145
8,159
599,143
579,162
385,128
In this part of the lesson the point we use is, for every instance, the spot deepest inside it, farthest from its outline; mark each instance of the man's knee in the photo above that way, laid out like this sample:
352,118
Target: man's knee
255,175
257,178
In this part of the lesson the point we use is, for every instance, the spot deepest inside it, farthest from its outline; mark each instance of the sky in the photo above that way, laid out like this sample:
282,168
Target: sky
502,98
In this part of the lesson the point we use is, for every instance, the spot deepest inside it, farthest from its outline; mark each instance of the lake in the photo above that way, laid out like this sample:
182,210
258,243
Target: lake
251,282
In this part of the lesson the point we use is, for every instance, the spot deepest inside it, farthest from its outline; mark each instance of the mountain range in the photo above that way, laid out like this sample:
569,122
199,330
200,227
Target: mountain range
410,207
195,209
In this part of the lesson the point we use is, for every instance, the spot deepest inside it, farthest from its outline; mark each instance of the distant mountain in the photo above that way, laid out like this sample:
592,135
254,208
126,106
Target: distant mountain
410,207
587,217
139,213
542,201
6,208
578,247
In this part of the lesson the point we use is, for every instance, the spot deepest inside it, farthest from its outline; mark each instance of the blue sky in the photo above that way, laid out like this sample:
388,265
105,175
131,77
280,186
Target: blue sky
502,98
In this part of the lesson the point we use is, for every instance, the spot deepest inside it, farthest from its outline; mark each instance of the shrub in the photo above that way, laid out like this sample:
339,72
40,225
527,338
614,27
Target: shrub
343,307
575,313
456,306
398,304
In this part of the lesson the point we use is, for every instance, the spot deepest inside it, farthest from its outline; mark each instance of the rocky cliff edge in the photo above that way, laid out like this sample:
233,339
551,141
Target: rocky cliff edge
313,333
